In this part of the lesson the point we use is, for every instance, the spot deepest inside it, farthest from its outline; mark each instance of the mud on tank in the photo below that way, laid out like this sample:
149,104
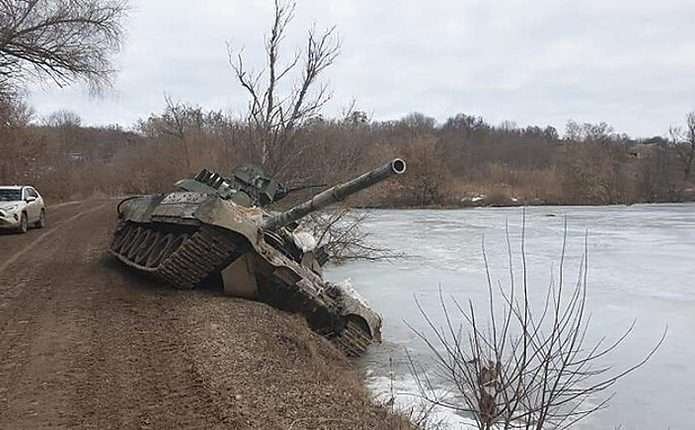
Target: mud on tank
218,225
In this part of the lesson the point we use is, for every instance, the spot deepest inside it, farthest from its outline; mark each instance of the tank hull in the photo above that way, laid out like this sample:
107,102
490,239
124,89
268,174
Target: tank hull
185,237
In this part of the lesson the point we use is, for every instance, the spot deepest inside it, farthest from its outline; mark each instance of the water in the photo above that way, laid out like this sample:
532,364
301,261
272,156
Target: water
641,267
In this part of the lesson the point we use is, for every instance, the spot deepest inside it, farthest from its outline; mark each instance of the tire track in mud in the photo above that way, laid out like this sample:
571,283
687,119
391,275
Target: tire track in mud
43,235
27,328
85,344
60,205
11,241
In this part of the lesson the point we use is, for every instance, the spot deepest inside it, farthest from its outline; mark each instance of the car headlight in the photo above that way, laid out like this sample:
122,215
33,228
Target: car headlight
11,208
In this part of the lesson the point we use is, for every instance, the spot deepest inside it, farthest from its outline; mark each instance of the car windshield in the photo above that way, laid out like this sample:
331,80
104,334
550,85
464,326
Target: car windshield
10,195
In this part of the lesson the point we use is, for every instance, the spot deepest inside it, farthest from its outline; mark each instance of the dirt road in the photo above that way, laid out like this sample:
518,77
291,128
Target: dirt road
85,344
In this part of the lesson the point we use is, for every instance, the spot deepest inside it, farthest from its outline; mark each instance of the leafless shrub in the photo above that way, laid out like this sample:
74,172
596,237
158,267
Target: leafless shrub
63,118
520,366
420,414
339,232
683,141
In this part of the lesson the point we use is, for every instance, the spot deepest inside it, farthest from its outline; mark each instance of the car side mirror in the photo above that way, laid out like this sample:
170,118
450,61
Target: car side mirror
30,199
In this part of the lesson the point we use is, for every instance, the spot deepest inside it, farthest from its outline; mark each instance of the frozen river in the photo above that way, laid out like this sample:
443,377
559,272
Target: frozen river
641,267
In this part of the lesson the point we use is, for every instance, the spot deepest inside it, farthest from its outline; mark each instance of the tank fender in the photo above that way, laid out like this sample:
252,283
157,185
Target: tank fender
353,305
361,320
139,208
370,321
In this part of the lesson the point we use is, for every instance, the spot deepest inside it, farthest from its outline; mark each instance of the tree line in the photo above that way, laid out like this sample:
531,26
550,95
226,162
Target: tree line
459,162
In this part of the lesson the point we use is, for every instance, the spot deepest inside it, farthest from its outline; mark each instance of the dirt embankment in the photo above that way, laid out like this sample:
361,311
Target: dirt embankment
84,344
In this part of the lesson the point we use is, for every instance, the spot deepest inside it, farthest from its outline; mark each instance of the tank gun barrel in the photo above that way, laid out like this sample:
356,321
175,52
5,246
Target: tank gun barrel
336,194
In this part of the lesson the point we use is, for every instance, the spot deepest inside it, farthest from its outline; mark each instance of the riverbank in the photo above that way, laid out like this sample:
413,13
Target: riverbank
379,199
498,200
87,344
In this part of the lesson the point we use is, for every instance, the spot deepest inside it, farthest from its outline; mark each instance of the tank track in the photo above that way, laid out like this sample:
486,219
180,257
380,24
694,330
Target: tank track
353,341
185,257
182,258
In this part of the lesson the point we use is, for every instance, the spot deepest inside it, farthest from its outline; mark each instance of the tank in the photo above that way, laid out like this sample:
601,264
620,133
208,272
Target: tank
214,226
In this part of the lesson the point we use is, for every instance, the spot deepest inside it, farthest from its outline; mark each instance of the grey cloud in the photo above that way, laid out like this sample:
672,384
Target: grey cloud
629,63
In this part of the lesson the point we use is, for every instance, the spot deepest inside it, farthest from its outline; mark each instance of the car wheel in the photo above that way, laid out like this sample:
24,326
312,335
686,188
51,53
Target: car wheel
41,223
23,224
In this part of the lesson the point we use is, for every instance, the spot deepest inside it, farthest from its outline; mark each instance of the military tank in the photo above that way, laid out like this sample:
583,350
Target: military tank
217,226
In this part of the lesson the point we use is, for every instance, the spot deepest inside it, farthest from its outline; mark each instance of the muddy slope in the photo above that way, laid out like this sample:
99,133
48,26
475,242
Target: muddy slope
84,344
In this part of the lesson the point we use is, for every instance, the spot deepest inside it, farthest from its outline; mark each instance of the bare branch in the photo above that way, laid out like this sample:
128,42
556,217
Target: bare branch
340,235
275,117
531,369
61,40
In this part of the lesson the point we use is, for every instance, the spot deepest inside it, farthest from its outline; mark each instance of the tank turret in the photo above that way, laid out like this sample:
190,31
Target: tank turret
249,185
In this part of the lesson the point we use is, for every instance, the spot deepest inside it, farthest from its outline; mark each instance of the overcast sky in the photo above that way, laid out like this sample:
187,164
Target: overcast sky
630,63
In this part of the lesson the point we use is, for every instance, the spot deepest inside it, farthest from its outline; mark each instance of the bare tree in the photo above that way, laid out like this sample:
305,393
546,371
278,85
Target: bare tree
276,117
588,132
186,125
16,146
683,142
427,172
63,119
14,112
520,366
67,127
60,40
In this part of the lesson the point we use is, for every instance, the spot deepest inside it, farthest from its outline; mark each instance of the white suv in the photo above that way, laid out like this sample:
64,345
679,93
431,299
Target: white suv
20,207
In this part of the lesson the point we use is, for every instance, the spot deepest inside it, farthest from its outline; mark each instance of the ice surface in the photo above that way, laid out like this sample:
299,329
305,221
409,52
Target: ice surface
641,267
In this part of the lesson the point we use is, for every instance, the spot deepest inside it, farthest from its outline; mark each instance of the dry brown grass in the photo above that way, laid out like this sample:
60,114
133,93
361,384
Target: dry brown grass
442,171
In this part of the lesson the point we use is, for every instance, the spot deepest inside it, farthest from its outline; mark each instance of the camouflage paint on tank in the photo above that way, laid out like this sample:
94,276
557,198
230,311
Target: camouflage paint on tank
215,225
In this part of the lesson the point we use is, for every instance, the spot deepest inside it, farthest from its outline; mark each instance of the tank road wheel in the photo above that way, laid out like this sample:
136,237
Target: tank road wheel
360,335
137,243
133,241
128,239
174,245
158,249
120,237
146,246
355,338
